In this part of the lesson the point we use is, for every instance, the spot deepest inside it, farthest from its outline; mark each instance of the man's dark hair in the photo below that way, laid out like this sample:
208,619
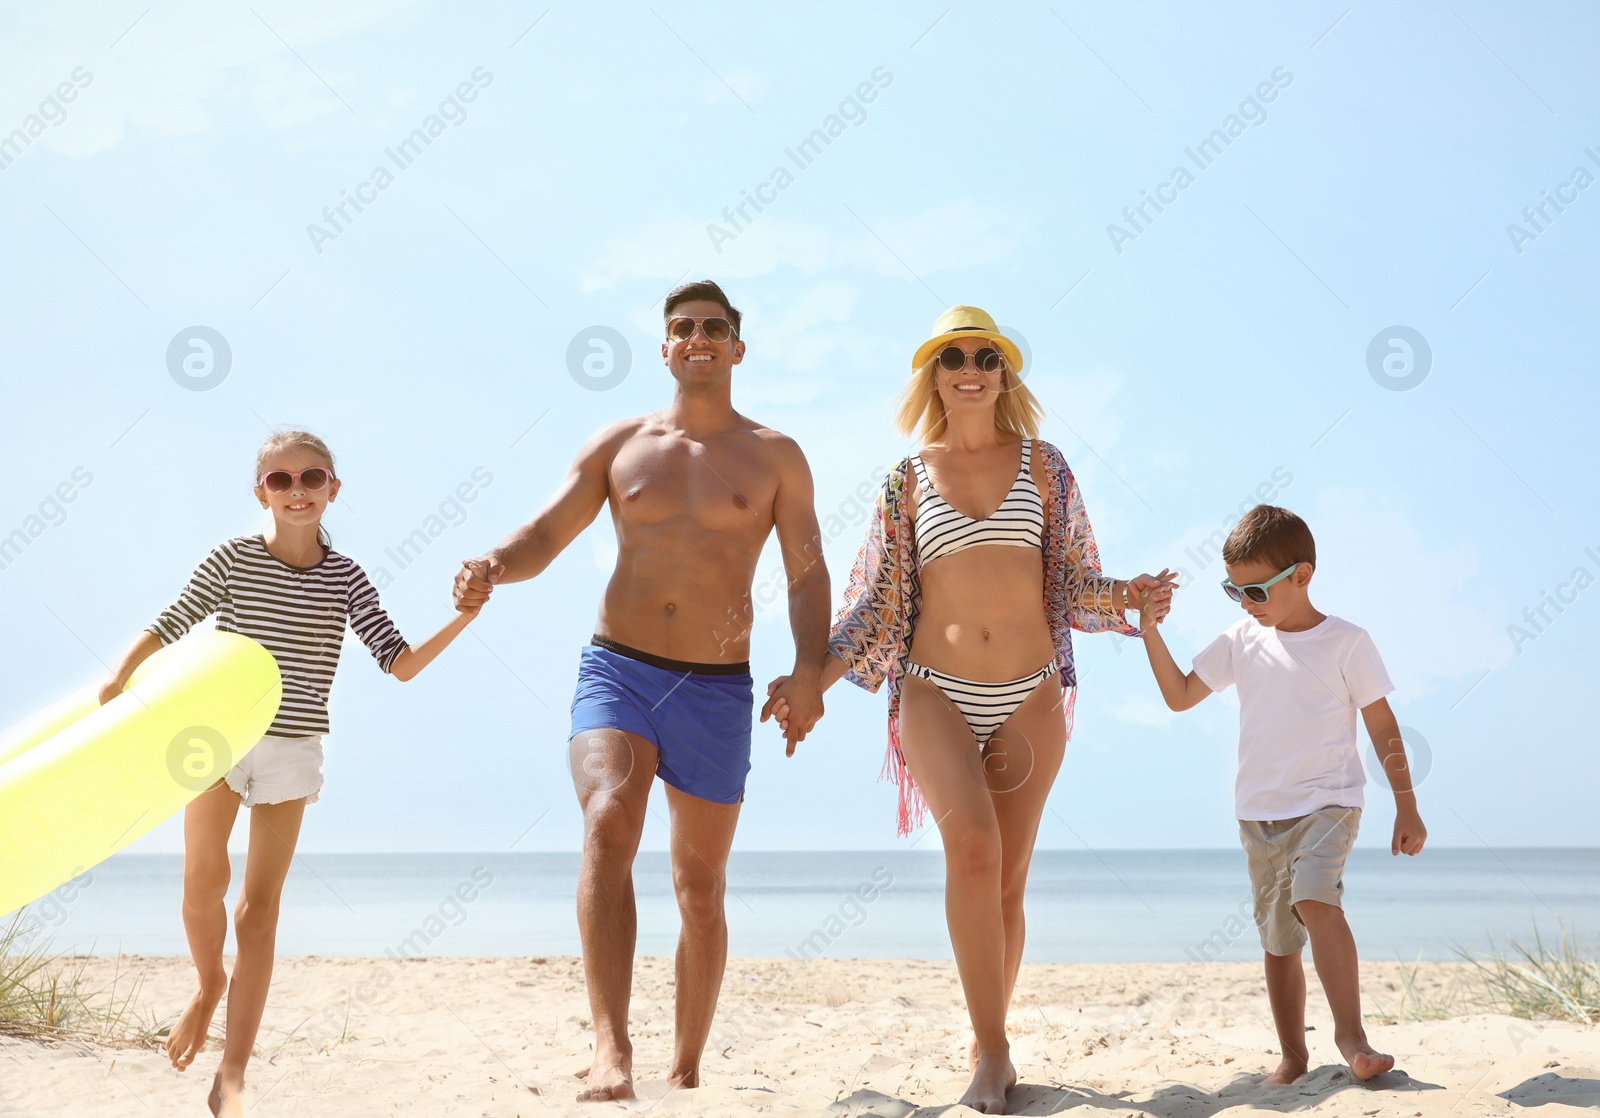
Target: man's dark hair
700,291
1271,535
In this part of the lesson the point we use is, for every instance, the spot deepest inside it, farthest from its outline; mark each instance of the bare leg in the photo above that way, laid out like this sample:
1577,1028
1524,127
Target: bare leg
274,831
702,834
207,823
612,771
944,759
1286,991
1020,766
1334,950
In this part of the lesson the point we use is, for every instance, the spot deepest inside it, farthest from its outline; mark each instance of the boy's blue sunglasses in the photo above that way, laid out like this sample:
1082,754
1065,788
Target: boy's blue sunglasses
1256,591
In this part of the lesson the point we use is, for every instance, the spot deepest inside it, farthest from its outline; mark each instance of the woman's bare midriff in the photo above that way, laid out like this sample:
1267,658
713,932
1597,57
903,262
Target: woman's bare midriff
982,615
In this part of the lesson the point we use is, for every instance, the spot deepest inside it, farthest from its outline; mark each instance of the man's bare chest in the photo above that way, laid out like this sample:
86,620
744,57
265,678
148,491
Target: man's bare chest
714,487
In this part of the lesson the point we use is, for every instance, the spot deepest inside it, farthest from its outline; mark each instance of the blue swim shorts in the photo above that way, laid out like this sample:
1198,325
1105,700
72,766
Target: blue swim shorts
697,715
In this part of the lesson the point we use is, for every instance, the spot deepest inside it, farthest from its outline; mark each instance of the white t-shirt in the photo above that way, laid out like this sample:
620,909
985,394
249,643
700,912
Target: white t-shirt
1298,697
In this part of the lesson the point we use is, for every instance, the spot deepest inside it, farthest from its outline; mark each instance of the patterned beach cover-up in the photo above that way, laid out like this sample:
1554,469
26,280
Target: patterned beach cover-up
873,626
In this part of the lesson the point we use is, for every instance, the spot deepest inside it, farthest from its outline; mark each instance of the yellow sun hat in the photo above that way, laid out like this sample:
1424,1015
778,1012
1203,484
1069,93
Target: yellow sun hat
965,322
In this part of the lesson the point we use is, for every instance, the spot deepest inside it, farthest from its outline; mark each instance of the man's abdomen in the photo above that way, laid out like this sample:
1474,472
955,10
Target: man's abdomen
685,604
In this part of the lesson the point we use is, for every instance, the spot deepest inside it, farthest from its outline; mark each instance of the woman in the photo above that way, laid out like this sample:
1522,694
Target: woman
968,617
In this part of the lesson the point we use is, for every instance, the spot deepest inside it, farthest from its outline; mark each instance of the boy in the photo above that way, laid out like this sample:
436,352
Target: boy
1301,676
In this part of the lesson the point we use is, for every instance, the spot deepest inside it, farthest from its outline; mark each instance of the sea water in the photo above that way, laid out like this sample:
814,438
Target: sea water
1082,906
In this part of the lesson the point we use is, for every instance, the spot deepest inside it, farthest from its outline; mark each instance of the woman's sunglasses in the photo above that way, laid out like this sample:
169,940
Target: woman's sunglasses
716,329
953,359
281,481
1256,591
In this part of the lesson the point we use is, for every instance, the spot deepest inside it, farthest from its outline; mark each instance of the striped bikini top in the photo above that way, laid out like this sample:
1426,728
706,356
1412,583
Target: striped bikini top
940,530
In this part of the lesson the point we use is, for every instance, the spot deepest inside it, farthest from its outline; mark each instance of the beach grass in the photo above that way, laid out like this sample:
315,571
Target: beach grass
1423,1000
1539,981
49,997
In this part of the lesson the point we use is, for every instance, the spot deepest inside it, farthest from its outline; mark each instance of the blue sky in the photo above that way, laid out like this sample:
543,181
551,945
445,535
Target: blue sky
1208,353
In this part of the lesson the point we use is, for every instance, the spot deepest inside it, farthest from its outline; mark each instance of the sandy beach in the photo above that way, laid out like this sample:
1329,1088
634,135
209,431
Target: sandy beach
508,1037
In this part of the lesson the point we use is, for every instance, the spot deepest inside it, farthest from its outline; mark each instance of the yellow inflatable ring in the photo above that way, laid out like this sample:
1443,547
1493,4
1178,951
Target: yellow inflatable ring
80,781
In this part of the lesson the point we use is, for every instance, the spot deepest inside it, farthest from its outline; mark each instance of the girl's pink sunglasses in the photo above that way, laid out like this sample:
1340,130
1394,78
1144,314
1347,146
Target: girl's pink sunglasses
281,481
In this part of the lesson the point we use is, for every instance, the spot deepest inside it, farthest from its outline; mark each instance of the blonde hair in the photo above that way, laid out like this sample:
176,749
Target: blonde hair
1017,412
292,438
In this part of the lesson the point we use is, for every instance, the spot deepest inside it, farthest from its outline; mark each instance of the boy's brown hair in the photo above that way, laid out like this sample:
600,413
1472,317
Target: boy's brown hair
1271,535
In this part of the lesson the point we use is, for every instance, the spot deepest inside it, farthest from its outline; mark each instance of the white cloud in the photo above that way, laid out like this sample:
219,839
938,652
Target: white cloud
793,329
283,94
1083,403
1081,413
180,67
1140,708
810,338
1375,566
1195,552
944,238
660,249
746,85
1134,699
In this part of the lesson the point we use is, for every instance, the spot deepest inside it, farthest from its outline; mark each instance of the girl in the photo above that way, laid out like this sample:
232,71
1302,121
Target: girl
289,590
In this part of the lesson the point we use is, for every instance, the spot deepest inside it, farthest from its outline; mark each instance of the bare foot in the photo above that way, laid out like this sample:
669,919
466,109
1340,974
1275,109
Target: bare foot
226,1099
1364,1060
612,1079
683,1080
993,1077
188,1036
1288,1071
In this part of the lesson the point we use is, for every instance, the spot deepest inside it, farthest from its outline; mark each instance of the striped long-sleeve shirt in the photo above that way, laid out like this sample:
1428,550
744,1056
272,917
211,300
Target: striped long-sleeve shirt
297,613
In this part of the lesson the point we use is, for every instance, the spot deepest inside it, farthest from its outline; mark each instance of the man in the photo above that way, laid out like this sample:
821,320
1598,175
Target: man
665,689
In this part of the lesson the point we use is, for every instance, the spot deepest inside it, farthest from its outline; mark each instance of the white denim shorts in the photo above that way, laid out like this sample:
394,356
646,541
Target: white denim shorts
278,770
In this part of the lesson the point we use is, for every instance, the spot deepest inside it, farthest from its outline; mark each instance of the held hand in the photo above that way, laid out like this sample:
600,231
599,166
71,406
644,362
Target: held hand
777,708
780,714
1151,595
769,708
796,705
1409,834
474,582
802,702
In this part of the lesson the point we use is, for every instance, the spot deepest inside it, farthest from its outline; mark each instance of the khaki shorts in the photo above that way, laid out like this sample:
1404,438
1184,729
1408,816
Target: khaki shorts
1294,860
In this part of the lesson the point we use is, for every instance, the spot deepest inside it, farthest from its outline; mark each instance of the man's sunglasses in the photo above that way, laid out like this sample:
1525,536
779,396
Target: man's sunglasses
1256,591
281,481
716,329
953,359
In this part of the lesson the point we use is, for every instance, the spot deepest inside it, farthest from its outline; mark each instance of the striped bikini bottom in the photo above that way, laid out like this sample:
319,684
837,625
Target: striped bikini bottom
985,706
